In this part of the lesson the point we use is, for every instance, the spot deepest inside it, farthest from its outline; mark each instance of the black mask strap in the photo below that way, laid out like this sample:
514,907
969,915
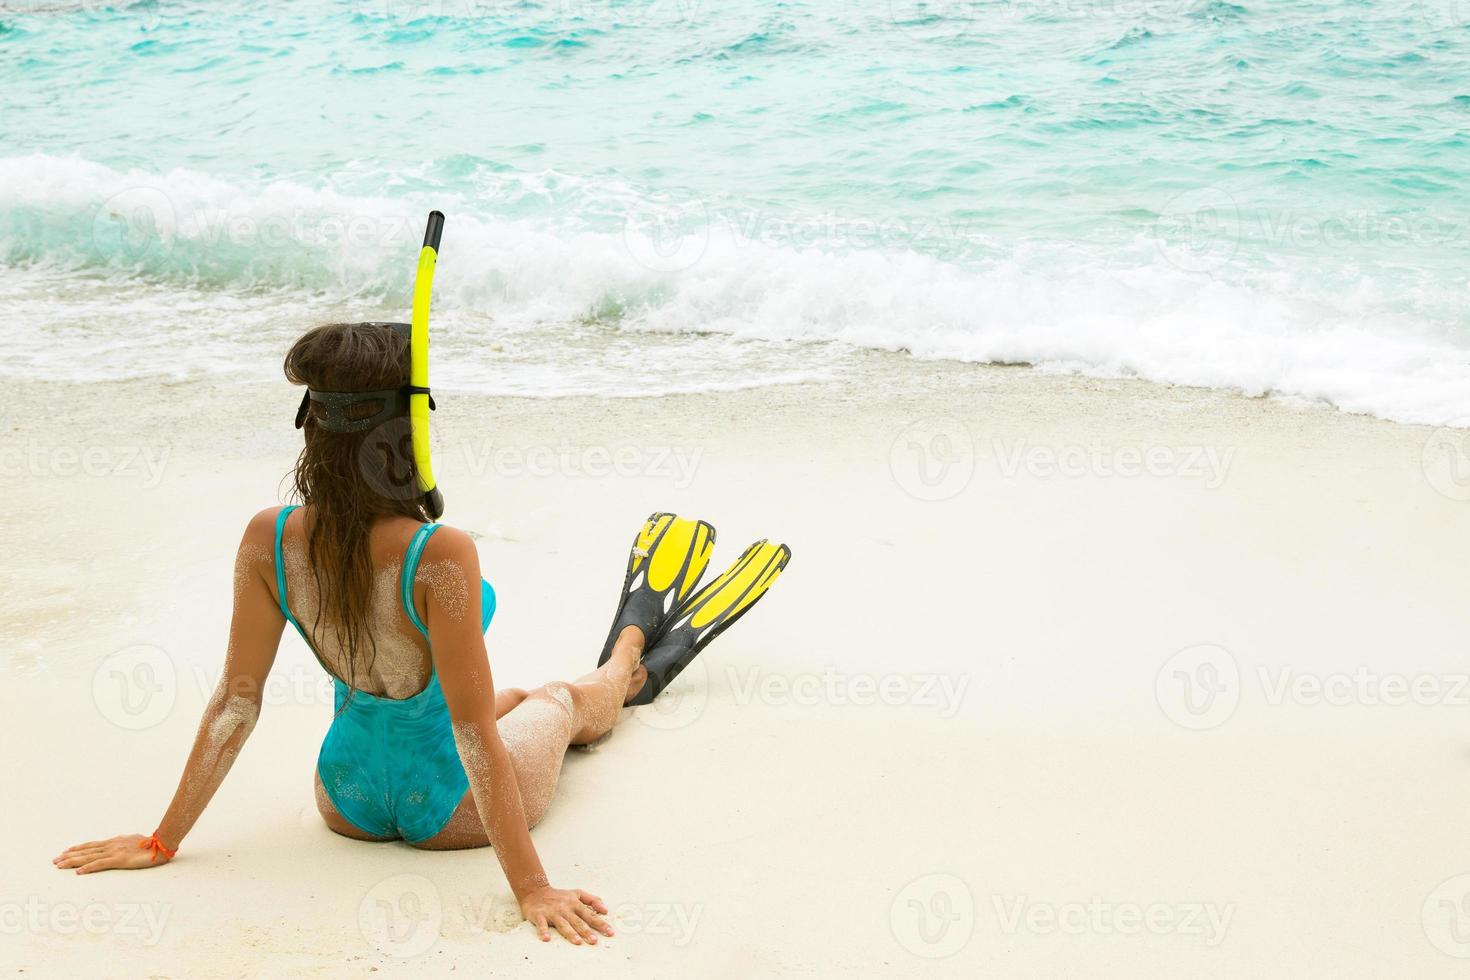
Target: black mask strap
335,414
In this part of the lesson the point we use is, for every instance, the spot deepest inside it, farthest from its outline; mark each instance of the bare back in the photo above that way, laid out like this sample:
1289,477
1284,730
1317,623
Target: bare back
397,662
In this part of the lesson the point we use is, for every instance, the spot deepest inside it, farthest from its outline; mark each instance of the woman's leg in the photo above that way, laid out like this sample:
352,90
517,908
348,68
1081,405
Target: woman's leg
537,732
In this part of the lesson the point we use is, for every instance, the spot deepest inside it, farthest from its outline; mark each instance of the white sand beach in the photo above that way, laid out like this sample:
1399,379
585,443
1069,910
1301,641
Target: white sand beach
1066,678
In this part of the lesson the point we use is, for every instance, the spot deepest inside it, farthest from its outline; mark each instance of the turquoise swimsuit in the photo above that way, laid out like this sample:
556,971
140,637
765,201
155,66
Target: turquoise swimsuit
389,765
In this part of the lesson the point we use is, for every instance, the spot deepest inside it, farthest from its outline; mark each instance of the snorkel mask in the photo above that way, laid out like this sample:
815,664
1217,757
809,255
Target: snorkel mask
413,399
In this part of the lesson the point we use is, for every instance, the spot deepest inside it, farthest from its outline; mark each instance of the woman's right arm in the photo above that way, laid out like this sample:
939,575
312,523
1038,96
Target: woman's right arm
458,644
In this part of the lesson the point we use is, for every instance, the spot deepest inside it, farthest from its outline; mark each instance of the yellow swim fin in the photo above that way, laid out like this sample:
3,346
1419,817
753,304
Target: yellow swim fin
709,612
669,555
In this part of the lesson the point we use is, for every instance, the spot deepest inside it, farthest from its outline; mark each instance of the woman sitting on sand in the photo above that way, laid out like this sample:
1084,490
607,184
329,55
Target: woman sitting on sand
422,748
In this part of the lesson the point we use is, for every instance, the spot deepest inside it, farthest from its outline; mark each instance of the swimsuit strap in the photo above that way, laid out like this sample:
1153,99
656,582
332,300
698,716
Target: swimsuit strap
410,571
281,573
281,592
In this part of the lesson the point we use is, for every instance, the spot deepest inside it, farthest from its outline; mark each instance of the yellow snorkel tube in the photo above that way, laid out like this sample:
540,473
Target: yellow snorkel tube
418,399
340,411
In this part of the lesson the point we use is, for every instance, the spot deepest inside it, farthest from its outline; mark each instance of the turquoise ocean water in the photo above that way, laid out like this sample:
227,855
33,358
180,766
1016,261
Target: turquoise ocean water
1273,197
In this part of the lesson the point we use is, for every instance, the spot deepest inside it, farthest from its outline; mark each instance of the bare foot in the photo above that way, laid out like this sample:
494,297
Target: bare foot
630,641
635,682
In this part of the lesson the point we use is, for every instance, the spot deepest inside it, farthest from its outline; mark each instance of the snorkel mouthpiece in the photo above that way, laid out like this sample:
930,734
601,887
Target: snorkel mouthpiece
413,399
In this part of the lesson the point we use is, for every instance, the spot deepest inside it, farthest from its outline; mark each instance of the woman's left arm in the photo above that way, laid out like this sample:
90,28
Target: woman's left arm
255,634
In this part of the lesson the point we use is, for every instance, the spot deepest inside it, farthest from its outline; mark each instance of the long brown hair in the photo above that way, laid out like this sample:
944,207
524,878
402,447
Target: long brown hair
349,479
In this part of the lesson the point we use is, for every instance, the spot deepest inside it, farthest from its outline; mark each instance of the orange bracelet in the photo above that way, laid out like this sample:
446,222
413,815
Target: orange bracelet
156,846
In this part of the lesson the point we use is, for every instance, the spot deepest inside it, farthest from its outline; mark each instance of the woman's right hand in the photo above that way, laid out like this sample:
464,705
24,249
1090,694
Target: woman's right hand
576,914
128,852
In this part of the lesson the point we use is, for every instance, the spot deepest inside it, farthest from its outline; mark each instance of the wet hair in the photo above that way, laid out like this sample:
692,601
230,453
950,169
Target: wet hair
350,479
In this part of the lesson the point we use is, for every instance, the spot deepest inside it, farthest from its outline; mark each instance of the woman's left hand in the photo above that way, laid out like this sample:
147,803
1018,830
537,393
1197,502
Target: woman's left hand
570,911
127,852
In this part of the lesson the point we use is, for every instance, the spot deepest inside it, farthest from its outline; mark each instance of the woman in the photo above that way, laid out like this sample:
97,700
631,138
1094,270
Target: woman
422,748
